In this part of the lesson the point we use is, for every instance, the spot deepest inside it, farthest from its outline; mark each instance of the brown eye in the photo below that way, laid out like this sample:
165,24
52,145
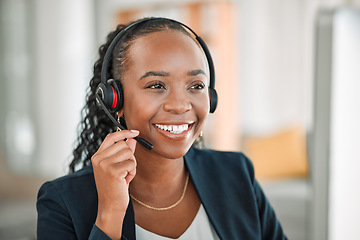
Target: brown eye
198,86
156,85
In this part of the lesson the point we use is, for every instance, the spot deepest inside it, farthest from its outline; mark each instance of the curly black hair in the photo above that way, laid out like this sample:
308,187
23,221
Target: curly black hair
95,125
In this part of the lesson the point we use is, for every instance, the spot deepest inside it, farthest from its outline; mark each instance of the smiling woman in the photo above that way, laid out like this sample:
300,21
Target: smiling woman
167,76
163,91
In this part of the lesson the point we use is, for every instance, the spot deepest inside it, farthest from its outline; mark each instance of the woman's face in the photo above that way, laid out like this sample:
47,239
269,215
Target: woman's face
165,88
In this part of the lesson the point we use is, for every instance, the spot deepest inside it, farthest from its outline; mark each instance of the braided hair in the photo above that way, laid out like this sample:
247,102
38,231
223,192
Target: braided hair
95,125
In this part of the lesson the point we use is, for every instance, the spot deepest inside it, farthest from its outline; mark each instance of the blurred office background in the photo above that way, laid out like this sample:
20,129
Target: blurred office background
287,75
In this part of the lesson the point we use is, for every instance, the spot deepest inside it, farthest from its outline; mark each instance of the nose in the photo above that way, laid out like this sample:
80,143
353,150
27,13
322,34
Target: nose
177,101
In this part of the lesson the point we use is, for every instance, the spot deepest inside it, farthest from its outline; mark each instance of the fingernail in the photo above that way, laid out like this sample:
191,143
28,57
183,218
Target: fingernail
134,131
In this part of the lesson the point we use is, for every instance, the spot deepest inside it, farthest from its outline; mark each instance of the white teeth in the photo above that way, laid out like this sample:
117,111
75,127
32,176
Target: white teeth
177,129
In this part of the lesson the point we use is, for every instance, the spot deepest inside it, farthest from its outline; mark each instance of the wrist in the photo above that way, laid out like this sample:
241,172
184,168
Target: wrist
110,222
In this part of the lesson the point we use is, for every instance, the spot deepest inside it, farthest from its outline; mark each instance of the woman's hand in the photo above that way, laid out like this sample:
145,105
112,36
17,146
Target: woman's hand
114,167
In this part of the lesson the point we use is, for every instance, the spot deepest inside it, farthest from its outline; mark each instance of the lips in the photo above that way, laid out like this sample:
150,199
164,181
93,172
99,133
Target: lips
174,131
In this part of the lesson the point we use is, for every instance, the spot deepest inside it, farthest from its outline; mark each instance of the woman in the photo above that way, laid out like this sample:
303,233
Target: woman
173,191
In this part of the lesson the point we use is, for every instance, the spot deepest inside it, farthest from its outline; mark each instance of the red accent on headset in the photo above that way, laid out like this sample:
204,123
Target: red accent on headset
115,98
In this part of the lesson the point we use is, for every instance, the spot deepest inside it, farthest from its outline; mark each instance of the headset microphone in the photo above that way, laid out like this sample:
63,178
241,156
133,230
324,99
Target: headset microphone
140,140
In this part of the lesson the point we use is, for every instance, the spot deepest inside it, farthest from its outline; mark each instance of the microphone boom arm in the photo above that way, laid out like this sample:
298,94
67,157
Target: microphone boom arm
140,140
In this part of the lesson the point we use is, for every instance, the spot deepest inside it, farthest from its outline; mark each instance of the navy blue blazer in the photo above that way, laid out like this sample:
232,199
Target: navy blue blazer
224,181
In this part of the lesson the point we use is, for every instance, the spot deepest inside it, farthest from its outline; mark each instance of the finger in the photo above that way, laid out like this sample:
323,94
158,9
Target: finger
110,151
120,156
124,170
112,138
127,168
132,144
130,176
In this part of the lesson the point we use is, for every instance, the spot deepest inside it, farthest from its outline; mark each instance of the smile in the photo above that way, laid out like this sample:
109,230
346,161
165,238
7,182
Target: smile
176,129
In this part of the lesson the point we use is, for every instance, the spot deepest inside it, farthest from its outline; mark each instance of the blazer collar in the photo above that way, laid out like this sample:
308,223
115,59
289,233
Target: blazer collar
128,231
205,187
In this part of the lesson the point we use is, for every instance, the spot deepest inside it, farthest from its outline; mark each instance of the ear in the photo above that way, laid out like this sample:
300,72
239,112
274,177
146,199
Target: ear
120,113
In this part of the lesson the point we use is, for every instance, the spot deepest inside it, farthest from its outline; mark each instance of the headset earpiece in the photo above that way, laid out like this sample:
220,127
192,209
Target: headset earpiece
213,99
212,92
111,94
119,93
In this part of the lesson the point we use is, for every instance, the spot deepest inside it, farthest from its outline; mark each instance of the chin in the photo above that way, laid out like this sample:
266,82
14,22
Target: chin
173,151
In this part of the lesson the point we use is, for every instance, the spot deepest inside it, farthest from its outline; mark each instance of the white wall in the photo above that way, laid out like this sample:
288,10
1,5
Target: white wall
273,54
344,192
64,59
276,63
335,138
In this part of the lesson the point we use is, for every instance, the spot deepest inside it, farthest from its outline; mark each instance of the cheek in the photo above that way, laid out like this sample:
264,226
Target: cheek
138,111
202,107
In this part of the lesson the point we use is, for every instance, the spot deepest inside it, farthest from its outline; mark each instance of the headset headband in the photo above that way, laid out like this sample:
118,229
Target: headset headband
107,57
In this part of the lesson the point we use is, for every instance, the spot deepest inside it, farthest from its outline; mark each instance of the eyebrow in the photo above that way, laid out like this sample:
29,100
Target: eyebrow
166,74
196,72
155,73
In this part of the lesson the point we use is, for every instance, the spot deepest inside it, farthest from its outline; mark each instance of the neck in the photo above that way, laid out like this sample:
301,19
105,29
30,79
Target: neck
157,176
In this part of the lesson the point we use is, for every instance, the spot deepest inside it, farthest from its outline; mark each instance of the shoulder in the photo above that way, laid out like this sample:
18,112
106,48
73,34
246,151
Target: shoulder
71,190
79,176
67,204
71,183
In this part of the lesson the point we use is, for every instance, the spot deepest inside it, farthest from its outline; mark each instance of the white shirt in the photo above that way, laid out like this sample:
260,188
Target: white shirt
200,228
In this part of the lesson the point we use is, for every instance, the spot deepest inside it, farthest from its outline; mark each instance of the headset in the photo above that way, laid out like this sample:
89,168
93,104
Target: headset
109,94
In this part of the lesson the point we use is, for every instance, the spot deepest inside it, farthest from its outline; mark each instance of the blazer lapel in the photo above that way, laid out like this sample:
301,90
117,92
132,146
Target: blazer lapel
128,231
227,196
206,190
